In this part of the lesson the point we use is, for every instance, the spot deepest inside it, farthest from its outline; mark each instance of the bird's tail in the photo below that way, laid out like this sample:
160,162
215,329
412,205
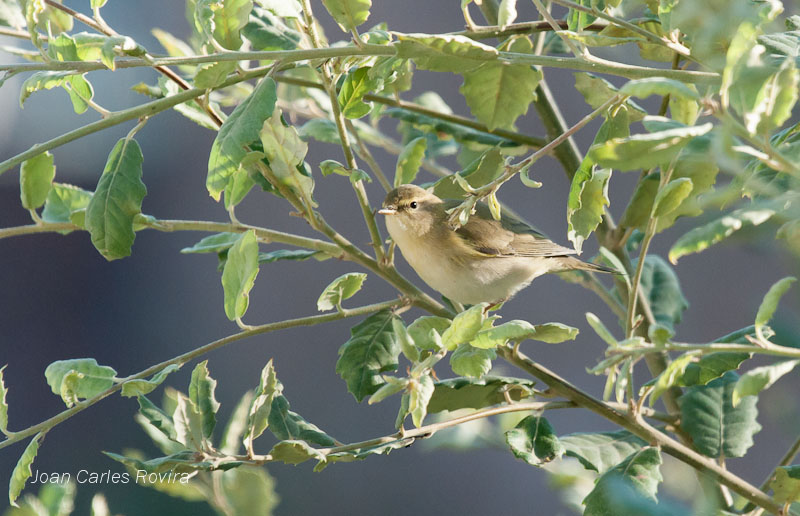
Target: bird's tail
570,263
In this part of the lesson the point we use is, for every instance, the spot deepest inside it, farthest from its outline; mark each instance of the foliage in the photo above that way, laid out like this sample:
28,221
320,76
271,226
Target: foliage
725,109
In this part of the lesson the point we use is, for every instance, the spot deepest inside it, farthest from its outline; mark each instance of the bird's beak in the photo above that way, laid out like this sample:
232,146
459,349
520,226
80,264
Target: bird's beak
387,210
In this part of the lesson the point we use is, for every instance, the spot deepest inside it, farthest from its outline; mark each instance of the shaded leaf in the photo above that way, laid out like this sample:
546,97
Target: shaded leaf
481,171
117,200
288,425
409,161
213,243
534,441
261,405
371,350
476,393
661,86
343,287
285,151
671,196
63,201
363,453
661,286
419,395
597,91
601,451
266,31
157,417
35,179
637,476
716,427
670,377
201,392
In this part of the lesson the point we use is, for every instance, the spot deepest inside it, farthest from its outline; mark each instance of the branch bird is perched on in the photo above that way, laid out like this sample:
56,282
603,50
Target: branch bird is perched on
485,260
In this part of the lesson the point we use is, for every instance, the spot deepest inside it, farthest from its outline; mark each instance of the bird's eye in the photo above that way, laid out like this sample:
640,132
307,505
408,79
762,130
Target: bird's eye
413,205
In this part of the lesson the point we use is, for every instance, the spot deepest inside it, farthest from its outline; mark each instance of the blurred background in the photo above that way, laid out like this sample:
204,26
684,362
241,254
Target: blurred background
60,299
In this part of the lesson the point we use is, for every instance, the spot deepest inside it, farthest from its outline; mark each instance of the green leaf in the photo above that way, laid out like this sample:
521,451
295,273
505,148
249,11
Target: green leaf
419,395
578,20
241,128
79,378
249,491
506,13
786,484
702,237
770,302
285,151
261,405
363,453
622,490
717,428
420,330
643,151
597,91
465,327
497,92
35,179
534,441
141,387
407,346
188,424
600,329
287,425
294,452
184,461
443,53
3,404
481,171
235,429
356,84
671,196
475,393
467,360
79,89
661,86
157,417
22,471
714,365
371,350
224,19
409,161
320,129
117,200
660,285
343,287
517,330
239,274
392,386
266,31
291,254
671,376
63,201
756,380
588,193
601,451
211,75
349,14
201,392
214,243
640,208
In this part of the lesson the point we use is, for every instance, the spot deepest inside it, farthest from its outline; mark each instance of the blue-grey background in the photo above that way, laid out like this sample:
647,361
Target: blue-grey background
60,299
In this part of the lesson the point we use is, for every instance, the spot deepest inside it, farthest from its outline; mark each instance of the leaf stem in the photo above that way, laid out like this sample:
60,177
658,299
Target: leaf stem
191,355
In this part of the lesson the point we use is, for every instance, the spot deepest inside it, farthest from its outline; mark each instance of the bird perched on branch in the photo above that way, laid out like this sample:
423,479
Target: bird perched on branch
485,260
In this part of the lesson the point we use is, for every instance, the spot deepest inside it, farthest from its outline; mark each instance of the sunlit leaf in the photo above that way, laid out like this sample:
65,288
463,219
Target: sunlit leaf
78,378
239,274
601,451
771,299
409,161
467,360
786,484
756,380
141,387
349,14
22,471
444,53
201,392
285,424
343,287
356,84
534,441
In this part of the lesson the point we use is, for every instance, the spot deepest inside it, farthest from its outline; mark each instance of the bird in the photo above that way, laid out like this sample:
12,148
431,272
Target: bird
484,260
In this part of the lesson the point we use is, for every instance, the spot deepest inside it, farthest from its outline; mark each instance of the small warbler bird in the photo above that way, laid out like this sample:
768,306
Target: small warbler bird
485,260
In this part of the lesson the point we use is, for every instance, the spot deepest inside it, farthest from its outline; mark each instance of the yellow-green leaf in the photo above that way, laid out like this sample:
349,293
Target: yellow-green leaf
35,180
239,274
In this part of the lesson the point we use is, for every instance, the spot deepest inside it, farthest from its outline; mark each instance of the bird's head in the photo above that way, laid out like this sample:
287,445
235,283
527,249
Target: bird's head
411,208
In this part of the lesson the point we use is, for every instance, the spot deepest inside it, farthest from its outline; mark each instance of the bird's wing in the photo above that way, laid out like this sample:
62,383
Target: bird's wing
508,237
